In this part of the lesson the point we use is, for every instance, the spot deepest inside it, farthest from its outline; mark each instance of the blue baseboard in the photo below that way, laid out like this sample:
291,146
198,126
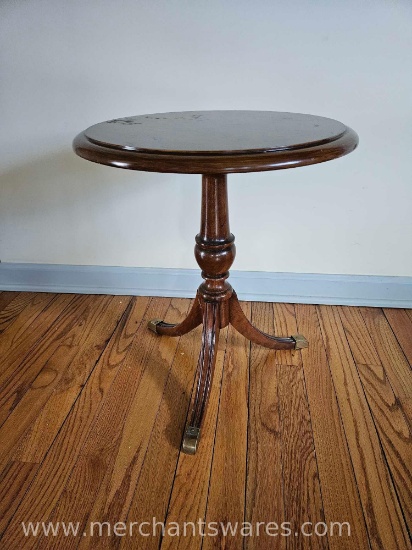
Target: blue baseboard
360,290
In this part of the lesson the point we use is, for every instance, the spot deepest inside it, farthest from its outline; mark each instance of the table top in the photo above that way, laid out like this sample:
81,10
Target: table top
215,141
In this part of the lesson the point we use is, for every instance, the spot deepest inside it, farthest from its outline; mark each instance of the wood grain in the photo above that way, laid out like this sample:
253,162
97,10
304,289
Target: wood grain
18,316
326,439
285,323
264,484
101,474
6,298
46,426
75,340
302,494
226,501
57,465
18,344
391,355
126,432
341,502
390,422
401,325
215,142
191,483
14,482
160,462
21,306
383,515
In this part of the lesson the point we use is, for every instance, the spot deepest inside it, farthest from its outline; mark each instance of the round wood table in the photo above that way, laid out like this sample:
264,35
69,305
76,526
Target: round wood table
214,144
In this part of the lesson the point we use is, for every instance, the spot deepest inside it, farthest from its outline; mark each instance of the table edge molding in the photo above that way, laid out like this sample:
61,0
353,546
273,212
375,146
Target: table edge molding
215,163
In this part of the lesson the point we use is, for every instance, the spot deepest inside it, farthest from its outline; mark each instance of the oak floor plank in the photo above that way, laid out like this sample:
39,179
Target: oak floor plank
381,508
16,303
401,325
18,315
264,484
226,500
76,339
191,483
391,355
360,342
95,413
49,483
391,424
302,492
152,493
44,429
340,496
5,299
118,432
14,482
123,468
302,495
18,370
285,325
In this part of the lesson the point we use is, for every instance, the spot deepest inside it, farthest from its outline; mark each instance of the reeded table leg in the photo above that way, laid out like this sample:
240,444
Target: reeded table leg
216,304
204,375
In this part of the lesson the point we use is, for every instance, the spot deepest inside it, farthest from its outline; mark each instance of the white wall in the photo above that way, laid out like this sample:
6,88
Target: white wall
67,64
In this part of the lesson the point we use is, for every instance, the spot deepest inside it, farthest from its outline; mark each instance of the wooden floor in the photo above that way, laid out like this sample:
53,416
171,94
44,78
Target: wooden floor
93,406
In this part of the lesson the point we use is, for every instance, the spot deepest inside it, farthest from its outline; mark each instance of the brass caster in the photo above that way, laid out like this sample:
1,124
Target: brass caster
151,325
190,440
300,341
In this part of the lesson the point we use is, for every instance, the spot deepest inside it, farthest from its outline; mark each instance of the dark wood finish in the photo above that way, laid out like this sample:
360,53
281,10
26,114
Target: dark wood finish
281,442
215,132
193,320
215,249
215,143
215,252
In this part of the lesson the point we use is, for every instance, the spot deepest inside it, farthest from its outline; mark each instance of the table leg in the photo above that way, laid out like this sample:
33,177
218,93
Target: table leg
239,320
216,304
204,375
193,320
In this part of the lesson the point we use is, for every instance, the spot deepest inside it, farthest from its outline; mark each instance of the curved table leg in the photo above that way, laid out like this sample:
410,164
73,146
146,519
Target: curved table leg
204,375
193,320
239,320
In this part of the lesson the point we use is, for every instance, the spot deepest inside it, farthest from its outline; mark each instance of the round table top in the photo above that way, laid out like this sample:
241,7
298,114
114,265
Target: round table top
205,142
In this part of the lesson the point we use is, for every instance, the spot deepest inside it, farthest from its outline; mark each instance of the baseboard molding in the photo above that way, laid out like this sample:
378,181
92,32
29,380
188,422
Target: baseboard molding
361,290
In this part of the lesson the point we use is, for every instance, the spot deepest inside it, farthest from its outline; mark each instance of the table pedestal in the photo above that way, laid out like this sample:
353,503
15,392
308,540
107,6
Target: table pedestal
216,304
